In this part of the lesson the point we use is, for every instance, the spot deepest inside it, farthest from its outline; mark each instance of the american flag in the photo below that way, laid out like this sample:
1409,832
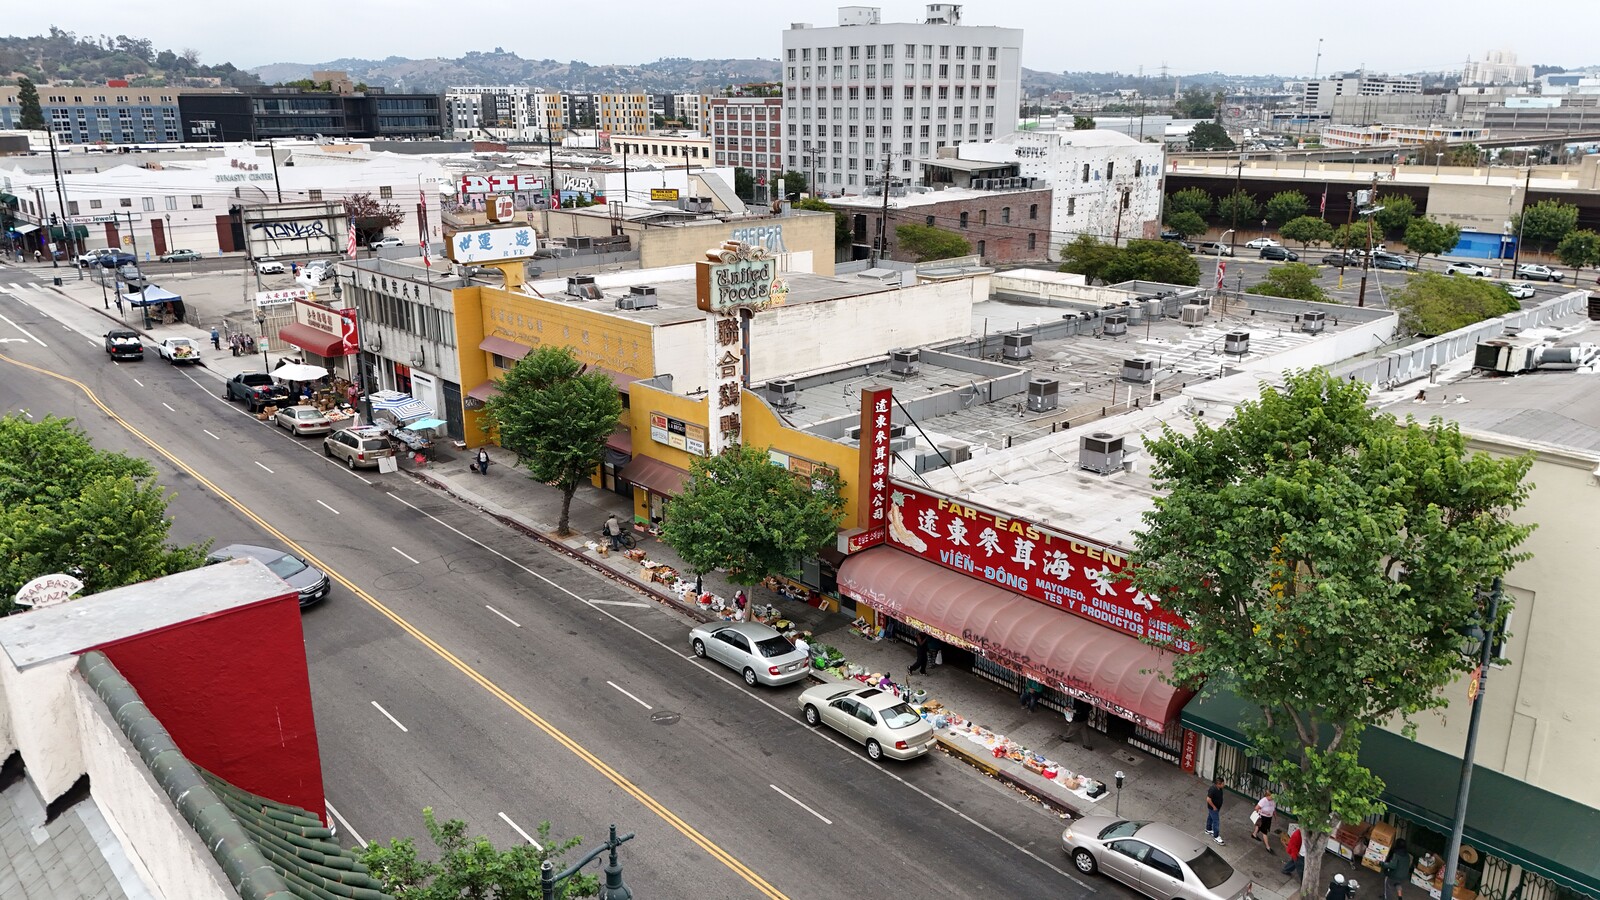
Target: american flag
350,241
422,227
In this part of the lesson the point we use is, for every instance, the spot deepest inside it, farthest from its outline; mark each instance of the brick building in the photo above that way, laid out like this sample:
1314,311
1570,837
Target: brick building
748,132
1001,225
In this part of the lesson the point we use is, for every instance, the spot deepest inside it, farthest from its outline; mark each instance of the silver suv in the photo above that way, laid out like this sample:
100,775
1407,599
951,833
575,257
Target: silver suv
360,448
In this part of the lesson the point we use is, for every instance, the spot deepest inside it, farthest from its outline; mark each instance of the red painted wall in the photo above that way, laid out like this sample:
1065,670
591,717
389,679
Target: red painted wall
234,691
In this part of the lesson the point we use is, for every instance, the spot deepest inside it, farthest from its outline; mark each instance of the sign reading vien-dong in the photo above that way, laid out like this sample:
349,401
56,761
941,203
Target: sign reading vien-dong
493,244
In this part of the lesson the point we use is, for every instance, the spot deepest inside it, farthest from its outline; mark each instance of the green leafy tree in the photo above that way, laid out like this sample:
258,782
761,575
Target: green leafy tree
1088,257
1432,304
750,518
1283,206
1349,237
744,184
1083,123
1209,136
1328,559
1307,230
1186,223
1296,281
929,242
1196,104
1160,261
1546,223
1396,214
555,416
794,184
841,225
1579,249
1195,200
67,507
471,868
1426,237
1237,209
28,103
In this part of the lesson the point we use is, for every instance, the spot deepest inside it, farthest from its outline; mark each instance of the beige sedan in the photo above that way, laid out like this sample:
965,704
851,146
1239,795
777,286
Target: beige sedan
880,721
303,420
1154,859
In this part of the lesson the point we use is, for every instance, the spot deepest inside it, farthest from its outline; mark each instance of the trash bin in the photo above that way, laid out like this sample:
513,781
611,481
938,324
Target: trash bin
56,281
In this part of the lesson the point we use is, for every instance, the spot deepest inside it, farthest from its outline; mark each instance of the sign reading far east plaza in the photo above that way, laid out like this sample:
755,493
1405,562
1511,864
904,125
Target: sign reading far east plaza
1084,578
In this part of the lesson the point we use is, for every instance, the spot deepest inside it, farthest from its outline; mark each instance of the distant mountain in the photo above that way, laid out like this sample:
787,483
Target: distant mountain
64,57
500,67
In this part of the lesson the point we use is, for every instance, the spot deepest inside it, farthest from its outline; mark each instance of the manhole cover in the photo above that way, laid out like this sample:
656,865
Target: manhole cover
397,581
664,717
468,563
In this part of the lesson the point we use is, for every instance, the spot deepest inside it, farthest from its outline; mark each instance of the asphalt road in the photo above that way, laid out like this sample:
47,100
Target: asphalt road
1247,269
460,666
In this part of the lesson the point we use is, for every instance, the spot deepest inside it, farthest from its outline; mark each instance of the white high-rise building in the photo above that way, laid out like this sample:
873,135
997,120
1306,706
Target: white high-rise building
512,112
1496,67
865,90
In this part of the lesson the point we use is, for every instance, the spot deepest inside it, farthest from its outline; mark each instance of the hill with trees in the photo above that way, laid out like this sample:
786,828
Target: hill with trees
62,56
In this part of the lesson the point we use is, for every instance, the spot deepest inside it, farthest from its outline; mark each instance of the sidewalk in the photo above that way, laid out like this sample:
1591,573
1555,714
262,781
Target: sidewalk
1153,788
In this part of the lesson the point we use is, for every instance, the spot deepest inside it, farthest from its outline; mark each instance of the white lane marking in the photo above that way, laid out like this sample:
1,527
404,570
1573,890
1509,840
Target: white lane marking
24,331
269,471
350,829
403,553
213,437
502,615
95,343
637,603
825,819
138,382
630,696
525,836
495,552
169,409
389,717
328,508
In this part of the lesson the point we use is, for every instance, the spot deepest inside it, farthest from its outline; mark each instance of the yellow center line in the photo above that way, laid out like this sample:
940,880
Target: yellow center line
578,750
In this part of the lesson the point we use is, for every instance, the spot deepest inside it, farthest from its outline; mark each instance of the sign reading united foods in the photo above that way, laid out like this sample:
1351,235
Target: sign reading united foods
738,276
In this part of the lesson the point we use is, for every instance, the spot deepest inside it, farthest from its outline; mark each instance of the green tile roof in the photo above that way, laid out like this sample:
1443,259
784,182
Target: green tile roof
268,850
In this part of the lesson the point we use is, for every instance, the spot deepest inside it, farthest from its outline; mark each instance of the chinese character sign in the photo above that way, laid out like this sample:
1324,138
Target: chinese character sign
493,244
1059,570
724,380
872,476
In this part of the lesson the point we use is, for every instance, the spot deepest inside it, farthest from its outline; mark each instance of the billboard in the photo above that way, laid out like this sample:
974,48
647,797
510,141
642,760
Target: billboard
486,245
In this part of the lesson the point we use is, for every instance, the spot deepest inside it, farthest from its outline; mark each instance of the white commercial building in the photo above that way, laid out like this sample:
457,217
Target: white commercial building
1320,93
861,91
1496,67
512,112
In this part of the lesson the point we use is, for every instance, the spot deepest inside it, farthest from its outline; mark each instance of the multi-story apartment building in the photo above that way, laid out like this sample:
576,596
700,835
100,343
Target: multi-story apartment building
284,112
622,113
861,90
514,112
693,110
747,132
1496,67
101,113
1320,93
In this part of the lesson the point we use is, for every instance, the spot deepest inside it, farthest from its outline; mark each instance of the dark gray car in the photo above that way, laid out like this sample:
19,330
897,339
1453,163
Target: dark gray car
310,581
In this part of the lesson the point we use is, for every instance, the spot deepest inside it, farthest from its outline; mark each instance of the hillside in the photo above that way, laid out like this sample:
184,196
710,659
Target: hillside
500,67
64,56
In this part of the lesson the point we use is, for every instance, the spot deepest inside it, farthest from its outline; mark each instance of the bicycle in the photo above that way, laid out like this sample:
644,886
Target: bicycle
625,540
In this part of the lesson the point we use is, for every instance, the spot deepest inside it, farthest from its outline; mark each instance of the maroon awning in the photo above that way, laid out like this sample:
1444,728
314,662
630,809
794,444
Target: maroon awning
1111,670
621,380
660,477
621,440
311,340
507,348
484,391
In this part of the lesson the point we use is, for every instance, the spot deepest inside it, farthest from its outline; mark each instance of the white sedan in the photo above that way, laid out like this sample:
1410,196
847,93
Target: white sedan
1519,290
179,350
266,265
1462,268
1262,242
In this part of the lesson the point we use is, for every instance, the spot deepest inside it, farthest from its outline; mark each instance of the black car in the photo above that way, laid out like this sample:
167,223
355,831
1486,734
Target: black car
1341,259
311,582
116,259
1280,253
1170,235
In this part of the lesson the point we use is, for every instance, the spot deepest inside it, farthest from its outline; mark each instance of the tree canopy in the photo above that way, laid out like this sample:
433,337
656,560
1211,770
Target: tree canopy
1209,136
794,184
370,215
1194,200
471,868
1426,237
1082,123
1396,214
1186,223
750,518
744,184
1328,559
1307,230
841,226
1296,281
1546,223
1237,210
1433,304
32,114
67,507
1196,104
1163,261
1283,206
1579,249
930,242
555,416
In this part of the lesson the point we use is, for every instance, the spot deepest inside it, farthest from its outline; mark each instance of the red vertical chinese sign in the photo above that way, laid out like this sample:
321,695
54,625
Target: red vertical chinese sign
873,475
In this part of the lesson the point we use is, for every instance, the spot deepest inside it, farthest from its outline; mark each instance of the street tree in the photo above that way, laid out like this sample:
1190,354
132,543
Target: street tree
1427,237
1237,209
1328,559
1209,136
1161,261
69,508
1186,223
1296,281
1579,249
1195,200
1396,214
32,115
471,868
744,184
1433,304
841,225
930,242
555,415
1088,257
1283,206
794,184
1349,237
1307,230
371,216
742,514
1545,224
1195,104
1083,123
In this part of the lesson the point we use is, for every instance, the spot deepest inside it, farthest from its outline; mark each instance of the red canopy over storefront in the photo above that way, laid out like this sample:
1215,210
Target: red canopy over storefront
311,340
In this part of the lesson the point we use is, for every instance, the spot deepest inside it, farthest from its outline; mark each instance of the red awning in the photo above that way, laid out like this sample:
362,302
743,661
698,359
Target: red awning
1113,671
664,479
622,381
311,340
484,391
508,349
621,440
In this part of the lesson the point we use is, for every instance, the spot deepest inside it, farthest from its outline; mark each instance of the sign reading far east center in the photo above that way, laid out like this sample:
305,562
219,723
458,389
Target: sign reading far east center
1059,570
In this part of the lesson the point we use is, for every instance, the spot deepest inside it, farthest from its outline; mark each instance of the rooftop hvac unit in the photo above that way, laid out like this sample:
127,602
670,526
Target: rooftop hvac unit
1117,323
1139,370
1193,314
956,451
583,287
905,362
639,296
1508,356
1313,322
1100,453
697,204
1017,346
782,393
1236,343
579,242
1043,394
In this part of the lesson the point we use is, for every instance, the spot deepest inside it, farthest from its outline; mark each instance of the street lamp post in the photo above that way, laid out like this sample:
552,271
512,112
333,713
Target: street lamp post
1485,653
612,889
261,329
1438,159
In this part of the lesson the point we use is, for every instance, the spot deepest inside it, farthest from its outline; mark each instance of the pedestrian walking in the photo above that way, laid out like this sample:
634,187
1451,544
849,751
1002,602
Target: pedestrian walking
921,663
1265,809
1340,889
482,464
1214,798
613,531
1294,848
216,338
1077,715
1396,870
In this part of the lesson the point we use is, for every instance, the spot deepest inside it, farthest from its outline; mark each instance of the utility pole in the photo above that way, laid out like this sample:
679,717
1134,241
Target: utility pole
1366,260
555,195
624,173
881,249
67,229
1238,179
144,283
272,152
1516,252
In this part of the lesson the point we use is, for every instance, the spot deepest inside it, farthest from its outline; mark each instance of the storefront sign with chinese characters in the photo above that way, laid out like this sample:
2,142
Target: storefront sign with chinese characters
493,244
1060,570
724,380
873,474
325,319
281,298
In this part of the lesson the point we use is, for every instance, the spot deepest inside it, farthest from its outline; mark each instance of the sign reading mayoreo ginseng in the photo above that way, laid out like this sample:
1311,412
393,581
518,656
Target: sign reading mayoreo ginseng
1081,577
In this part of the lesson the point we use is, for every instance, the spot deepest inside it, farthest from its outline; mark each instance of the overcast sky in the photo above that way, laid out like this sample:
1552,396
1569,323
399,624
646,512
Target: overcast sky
1250,37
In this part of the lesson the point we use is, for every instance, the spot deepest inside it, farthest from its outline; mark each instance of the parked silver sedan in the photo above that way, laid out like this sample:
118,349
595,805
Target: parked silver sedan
756,651
879,720
1154,859
303,420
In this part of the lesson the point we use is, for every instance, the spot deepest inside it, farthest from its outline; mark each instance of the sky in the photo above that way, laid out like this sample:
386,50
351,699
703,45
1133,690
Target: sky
1187,36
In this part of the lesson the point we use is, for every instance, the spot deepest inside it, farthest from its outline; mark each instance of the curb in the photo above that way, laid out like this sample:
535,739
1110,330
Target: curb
987,766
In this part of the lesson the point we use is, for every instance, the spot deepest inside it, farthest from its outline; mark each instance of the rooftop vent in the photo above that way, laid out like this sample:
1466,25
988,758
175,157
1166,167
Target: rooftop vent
1236,343
1017,346
639,296
783,393
1193,314
1116,323
1100,453
905,362
1043,394
1139,370
1313,322
583,287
